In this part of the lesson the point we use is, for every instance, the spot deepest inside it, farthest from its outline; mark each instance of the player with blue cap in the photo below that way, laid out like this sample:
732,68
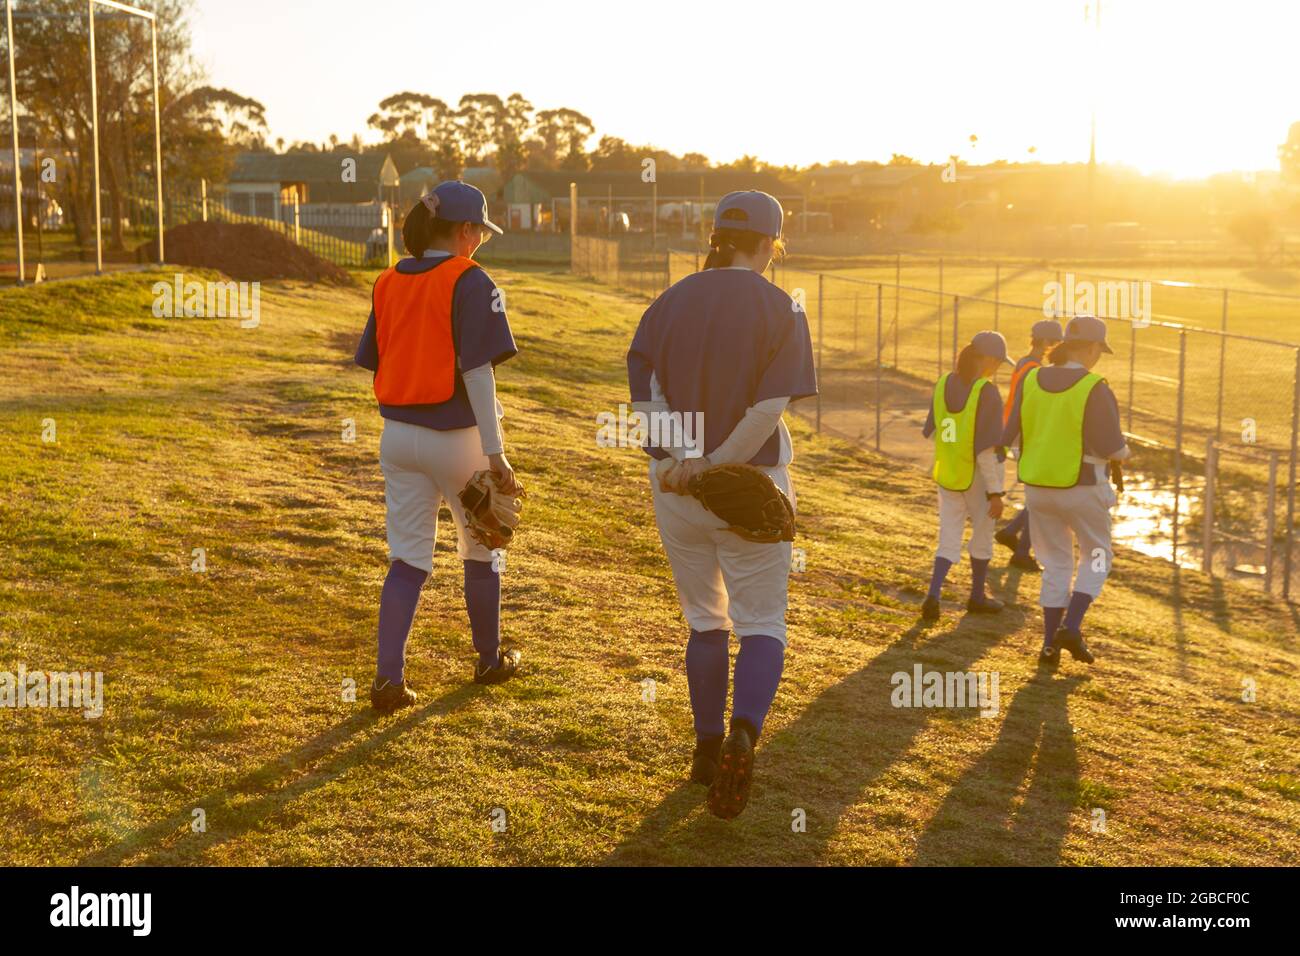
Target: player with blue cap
436,331
729,346
1066,418
965,421
1045,335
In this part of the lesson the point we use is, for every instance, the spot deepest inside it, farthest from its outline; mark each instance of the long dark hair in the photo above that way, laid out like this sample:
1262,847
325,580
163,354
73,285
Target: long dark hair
723,244
1067,352
968,361
421,228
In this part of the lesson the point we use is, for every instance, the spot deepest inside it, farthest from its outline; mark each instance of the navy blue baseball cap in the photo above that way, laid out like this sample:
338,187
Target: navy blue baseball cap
457,201
1048,329
991,345
752,210
1087,328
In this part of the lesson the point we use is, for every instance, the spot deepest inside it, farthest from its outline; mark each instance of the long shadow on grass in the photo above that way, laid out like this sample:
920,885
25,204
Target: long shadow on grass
844,742
230,813
979,822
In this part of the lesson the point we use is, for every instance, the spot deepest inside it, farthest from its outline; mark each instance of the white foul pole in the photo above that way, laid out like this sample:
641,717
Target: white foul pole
13,118
94,139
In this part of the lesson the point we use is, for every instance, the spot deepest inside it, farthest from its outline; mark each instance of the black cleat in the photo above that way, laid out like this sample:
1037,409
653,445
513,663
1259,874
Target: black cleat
729,791
1049,656
1006,539
507,665
386,697
1073,642
930,609
705,762
1025,563
984,605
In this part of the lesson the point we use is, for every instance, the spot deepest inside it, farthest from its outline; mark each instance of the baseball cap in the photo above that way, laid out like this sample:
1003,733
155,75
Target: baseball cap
752,210
1048,329
991,345
1087,328
458,201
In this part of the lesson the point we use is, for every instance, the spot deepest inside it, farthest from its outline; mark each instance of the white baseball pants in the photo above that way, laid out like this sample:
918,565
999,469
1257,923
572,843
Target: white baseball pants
1057,518
723,581
424,467
955,507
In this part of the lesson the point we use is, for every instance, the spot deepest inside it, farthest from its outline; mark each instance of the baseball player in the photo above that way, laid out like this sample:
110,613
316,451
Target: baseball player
1067,421
965,421
726,343
1044,336
436,330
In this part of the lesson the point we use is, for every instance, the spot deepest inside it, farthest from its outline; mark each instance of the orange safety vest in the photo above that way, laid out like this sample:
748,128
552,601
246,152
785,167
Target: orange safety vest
1016,378
417,353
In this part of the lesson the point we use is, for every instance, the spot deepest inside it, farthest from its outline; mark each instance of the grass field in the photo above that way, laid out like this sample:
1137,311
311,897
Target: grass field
224,688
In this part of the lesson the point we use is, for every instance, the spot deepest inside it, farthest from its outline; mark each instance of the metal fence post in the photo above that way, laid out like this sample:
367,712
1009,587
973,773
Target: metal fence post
1207,502
297,220
1132,369
939,354
898,288
1178,442
18,175
880,347
1223,358
1270,522
821,281
1290,483
956,303
997,292
203,192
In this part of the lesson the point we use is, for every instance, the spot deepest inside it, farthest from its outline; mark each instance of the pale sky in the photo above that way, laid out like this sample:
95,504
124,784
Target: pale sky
1186,87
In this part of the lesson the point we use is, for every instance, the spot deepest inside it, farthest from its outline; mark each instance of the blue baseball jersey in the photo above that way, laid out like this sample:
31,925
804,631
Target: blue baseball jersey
1102,434
480,331
988,414
718,342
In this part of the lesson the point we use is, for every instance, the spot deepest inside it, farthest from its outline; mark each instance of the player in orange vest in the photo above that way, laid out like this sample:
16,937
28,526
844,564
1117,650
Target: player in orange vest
436,330
1044,336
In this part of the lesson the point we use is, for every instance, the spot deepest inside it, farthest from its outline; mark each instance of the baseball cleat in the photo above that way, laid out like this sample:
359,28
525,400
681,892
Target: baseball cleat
984,605
1007,539
930,609
1073,642
729,791
386,697
507,665
1025,563
705,762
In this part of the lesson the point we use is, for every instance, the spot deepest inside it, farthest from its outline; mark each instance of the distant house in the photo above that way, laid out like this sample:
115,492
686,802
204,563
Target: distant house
537,199
262,184
422,179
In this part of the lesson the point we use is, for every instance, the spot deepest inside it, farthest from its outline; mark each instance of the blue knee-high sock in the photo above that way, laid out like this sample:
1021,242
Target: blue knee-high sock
706,679
1078,607
1024,543
483,602
1019,523
1051,622
396,612
979,568
758,673
941,566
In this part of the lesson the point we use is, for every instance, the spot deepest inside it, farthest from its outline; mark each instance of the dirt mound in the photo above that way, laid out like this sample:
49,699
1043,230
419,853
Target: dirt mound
244,251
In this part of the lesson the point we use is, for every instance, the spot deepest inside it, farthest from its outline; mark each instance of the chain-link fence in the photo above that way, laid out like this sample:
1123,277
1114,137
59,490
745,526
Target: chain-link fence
1212,416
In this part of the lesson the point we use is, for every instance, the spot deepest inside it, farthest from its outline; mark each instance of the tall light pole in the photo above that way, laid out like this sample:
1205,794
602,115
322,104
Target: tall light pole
13,119
1092,141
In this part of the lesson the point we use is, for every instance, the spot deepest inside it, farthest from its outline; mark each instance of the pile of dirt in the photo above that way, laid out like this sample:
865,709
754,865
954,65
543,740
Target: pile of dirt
244,251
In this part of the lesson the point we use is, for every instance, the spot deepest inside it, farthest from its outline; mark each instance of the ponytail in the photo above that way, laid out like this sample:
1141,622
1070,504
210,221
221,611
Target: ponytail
723,244
421,228
968,361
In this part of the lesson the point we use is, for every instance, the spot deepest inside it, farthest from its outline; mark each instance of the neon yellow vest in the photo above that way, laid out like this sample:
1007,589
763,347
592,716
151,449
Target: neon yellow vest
954,458
1051,431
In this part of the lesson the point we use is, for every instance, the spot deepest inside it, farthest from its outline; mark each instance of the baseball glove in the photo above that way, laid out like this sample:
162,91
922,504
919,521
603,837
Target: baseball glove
747,499
490,515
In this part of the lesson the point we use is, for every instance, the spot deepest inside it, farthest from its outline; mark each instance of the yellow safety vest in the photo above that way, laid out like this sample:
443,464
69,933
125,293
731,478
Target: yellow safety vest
954,438
1051,432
